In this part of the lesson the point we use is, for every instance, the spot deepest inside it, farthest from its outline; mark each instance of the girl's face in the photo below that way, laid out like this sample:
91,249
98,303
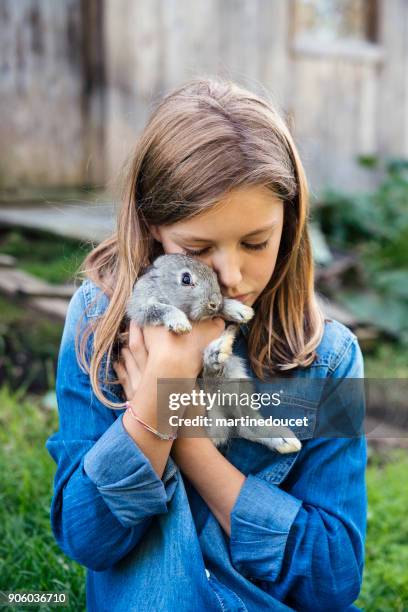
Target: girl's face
238,238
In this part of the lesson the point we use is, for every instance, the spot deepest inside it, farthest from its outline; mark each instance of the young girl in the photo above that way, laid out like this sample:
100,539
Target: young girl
181,525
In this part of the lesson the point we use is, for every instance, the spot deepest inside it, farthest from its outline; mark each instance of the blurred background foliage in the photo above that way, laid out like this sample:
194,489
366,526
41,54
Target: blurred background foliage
374,227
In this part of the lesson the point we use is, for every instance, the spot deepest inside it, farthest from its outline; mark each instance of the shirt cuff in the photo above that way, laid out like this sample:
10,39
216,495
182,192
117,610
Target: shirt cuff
125,477
261,519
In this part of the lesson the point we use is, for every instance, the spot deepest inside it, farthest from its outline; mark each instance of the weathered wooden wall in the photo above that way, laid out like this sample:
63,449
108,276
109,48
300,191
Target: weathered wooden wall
41,127
80,76
342,100
48,81
152,46
352,100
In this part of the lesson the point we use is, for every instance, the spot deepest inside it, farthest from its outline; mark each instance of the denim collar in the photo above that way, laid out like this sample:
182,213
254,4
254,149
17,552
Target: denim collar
244,329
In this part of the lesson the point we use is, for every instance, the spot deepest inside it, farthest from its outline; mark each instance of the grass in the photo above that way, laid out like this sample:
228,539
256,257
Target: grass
389,360
30,559
55,259
385,586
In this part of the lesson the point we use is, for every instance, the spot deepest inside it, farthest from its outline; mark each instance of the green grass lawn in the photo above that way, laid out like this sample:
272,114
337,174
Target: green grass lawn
30,560
385,578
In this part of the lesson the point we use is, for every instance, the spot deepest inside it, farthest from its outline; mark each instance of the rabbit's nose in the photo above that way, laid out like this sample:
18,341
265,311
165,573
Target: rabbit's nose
214,302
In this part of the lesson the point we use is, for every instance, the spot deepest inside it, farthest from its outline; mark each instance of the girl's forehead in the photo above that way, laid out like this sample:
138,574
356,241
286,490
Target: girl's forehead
245,209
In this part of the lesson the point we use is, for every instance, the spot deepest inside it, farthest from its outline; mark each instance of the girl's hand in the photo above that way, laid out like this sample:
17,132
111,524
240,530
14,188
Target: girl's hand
180,355
167,354
132,364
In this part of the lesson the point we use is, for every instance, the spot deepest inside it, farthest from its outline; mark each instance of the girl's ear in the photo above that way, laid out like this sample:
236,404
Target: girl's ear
155,232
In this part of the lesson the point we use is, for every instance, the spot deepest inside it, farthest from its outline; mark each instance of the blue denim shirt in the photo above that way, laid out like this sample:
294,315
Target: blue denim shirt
297,527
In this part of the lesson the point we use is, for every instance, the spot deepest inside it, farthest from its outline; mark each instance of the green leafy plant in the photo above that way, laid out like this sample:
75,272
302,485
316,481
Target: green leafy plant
29,345
375,227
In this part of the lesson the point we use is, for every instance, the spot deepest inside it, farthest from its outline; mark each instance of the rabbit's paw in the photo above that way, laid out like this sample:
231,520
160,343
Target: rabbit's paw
235,310
286,445
219,350
177,322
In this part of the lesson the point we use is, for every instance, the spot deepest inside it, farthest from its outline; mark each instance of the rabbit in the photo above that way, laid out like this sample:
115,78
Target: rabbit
176,289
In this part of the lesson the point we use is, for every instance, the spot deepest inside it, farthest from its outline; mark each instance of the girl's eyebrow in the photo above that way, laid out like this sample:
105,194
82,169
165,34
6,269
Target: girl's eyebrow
257,231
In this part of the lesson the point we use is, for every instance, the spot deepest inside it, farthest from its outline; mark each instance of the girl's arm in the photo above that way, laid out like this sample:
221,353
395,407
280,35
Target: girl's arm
214,477
303,541
105,489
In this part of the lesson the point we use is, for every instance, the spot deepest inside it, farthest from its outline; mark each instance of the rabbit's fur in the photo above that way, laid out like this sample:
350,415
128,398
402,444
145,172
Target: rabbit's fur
176,289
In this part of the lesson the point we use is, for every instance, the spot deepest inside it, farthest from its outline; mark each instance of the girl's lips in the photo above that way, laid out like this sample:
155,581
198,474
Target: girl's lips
242,297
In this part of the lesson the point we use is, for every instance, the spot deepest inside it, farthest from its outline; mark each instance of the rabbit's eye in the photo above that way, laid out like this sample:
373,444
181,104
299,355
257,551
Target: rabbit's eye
186,279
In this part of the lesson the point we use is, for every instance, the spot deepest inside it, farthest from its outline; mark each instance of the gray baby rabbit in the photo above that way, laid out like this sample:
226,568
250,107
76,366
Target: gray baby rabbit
176,289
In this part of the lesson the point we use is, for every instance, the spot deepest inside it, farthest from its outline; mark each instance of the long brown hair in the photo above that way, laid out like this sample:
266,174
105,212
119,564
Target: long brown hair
204,139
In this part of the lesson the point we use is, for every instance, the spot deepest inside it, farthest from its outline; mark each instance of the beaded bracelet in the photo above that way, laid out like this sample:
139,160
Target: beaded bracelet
154,431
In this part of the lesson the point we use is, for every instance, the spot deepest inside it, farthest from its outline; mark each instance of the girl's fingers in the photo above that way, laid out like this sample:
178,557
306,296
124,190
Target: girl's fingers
133,359
137,345
119,369
124,379
131,365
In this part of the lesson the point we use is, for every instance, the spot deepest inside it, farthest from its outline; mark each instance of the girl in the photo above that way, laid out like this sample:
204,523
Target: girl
163,524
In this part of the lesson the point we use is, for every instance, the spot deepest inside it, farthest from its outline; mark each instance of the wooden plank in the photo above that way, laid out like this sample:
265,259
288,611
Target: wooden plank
93,221
14,282
55,308
51,291
380,435
7,261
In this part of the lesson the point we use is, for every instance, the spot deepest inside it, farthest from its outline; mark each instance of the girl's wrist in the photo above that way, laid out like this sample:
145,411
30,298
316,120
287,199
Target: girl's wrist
165,367
154,401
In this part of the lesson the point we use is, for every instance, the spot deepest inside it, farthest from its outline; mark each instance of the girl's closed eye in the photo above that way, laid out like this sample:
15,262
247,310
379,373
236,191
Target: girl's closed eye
251,247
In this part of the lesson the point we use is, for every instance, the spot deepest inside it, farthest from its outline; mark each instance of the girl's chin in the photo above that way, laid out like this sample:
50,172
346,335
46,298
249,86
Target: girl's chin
250,300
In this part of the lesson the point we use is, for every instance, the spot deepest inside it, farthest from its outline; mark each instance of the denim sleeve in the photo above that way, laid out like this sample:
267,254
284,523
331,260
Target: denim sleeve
304,542
105,489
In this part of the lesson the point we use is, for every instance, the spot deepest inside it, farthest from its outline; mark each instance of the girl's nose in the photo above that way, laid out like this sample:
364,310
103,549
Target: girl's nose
228,270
